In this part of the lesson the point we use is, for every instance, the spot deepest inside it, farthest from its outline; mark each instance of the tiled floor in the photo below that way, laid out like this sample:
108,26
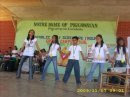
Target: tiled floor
12,87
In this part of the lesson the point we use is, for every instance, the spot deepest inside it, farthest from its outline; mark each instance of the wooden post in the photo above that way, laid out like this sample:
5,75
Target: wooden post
13,21
117,22
126,85
101,81
15,27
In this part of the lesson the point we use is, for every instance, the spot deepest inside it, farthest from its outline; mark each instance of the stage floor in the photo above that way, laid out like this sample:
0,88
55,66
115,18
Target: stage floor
12,87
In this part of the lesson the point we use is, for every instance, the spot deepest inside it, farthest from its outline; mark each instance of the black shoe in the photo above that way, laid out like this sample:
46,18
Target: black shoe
64,81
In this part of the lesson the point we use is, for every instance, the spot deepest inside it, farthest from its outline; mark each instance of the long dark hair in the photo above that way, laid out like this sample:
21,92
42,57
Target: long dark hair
15,47
56,41
118,45
102,42
28,37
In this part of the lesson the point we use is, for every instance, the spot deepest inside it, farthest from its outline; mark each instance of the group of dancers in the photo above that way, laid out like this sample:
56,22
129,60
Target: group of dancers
99,51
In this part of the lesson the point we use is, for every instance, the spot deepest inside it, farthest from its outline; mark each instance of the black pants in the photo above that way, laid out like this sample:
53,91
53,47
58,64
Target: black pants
42,65
9,65
70,65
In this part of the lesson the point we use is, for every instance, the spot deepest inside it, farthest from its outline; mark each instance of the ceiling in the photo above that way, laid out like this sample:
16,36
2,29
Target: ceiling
65,9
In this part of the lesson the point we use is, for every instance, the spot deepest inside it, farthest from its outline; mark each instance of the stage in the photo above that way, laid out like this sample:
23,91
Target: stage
12,87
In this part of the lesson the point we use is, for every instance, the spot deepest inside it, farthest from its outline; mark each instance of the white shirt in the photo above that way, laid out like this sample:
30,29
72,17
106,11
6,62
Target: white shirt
74,52
6,57
14,53
29,47
120,56
99,53
53,49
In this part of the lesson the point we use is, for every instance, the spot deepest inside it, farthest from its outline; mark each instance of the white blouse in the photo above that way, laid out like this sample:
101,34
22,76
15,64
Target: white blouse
99,53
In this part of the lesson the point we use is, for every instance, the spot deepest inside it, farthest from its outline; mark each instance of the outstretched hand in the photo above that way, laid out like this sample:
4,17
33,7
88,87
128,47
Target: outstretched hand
112,62
85,58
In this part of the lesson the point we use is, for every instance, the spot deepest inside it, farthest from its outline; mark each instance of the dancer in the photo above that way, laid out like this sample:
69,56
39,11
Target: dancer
29,48
74,52
100,52
121,54
52,57
120,59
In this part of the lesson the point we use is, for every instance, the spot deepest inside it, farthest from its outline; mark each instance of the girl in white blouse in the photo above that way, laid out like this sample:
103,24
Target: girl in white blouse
52,57
28,49
121,54
99,52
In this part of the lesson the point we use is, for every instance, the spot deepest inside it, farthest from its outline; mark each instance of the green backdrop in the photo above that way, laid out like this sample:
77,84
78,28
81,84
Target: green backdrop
86,30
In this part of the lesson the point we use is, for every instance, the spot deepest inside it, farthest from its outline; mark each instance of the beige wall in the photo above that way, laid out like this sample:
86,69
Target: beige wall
68,9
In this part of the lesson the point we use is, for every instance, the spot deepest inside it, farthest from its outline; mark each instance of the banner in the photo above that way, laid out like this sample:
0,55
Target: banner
85,30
